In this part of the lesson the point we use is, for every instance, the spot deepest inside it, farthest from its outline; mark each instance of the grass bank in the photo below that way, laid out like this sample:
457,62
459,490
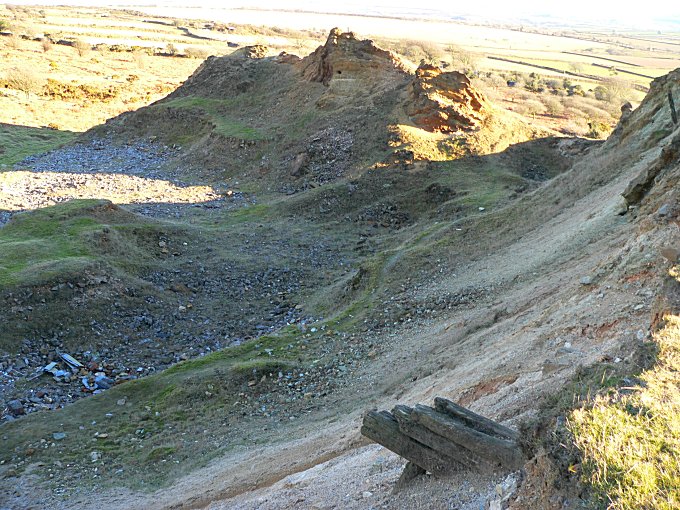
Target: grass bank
630,439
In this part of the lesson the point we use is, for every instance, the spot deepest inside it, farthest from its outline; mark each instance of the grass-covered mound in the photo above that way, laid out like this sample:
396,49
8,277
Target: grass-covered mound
63,240
18,142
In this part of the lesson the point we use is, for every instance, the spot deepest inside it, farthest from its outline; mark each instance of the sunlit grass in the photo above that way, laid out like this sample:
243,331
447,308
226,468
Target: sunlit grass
225,125
630,443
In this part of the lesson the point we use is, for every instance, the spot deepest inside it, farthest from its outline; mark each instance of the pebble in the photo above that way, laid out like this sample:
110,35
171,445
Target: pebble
15,407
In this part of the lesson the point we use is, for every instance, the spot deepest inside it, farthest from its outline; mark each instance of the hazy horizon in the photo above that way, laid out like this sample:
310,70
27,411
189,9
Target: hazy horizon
657,14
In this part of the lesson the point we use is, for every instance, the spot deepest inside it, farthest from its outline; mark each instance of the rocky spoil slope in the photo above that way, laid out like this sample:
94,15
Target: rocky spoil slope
494,306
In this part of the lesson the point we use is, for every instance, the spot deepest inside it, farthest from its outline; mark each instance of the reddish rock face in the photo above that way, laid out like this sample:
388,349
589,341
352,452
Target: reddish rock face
439,102
256,51
445,102
344,54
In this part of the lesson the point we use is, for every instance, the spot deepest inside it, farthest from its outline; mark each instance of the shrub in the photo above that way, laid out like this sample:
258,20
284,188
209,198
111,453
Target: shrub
534,83
171,49
576,127
571,112
619,90
4,25
13,42
46,44
553,106
553,84
601,93
530,107
462,58
194,52
598,129
82,47
23,80
415,51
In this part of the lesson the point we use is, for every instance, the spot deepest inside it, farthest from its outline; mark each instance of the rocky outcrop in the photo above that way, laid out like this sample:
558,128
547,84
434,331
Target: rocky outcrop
651,128
441,102
256,51
343,55
445,102
640,186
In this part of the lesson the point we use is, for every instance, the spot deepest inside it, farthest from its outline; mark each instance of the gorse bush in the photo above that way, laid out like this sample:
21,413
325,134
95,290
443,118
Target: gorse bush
553,106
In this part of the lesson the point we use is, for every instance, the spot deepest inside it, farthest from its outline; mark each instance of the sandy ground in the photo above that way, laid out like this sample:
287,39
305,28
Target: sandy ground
21,190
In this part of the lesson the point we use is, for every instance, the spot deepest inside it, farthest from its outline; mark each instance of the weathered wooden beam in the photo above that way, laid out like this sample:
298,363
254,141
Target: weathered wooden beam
474,420
410,472
442,439
458,453
492,449
383,428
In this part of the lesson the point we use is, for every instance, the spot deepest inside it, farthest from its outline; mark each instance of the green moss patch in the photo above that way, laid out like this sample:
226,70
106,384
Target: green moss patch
216,110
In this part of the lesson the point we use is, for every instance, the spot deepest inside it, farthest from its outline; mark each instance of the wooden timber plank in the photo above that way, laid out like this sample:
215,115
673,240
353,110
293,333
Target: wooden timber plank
490,448
474,420
383,428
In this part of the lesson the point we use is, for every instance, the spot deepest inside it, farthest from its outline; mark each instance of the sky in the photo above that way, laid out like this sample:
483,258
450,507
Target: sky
631,14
